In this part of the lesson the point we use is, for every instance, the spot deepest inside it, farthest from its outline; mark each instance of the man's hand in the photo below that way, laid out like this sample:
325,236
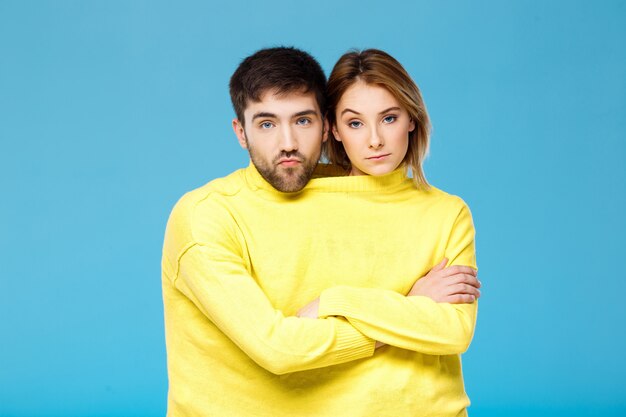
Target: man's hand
310,310
455,284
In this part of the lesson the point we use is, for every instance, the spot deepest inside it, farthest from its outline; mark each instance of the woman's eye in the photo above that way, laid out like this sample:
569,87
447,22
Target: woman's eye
266,125
389,119
303,122
355,124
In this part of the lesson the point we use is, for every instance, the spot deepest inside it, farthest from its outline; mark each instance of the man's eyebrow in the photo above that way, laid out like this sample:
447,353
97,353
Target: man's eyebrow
263,114
305,113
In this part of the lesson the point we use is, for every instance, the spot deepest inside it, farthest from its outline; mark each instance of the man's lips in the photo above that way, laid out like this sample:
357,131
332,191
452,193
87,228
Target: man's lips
378,157
289,162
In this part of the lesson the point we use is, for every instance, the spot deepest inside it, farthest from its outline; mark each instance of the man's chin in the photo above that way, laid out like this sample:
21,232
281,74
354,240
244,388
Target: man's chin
286,179
290,180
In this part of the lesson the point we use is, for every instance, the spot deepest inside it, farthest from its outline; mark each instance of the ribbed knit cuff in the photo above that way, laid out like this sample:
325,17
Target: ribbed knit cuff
351,343
335,302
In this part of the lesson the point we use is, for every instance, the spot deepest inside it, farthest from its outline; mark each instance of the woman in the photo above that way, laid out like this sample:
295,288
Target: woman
380,132
370,80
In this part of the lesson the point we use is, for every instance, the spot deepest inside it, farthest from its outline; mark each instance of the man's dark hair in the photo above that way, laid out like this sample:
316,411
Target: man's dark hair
283,69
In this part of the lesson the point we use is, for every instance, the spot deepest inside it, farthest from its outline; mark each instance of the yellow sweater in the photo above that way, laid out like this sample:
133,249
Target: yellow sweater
239,260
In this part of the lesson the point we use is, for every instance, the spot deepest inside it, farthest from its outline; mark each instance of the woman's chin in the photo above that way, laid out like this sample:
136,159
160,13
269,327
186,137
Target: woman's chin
375,171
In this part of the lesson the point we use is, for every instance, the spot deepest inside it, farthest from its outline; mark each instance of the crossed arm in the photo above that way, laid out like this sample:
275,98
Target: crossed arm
416,322
213,275
437,317
204,263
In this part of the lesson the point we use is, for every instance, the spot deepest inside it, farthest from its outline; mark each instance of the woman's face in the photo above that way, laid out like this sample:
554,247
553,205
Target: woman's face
373,127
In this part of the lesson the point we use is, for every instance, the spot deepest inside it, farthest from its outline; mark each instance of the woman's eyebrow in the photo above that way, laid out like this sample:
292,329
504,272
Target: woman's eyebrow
390,109
349,110
382,112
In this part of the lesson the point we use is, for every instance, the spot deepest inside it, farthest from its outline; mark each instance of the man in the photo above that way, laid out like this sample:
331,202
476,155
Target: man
244,253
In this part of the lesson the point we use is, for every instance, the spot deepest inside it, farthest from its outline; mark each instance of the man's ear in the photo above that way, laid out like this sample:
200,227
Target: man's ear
325,131
241,133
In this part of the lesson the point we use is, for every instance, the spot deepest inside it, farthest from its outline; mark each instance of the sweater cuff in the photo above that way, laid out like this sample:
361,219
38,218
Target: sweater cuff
351,343
335,301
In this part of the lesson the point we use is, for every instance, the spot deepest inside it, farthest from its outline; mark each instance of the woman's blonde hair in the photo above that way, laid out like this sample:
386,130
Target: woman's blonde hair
374,66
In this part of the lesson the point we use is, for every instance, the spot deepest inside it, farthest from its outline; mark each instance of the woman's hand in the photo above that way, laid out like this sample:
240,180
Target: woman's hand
455,284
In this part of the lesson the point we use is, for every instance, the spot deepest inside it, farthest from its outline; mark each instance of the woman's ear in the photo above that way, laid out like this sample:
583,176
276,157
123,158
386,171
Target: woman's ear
411,124
336,134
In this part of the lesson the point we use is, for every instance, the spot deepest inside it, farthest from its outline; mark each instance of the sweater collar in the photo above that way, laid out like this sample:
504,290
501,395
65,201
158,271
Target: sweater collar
330,178
361,183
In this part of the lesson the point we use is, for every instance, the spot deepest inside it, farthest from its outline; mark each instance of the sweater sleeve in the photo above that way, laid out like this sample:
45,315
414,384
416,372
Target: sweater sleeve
212,274
414,323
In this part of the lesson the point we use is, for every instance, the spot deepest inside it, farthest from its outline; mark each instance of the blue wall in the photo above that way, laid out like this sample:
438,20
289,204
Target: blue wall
110,110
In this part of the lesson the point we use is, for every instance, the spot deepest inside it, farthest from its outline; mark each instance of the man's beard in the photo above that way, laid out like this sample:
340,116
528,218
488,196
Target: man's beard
286,180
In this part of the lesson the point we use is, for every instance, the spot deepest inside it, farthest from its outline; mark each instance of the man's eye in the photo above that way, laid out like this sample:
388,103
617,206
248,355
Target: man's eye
303,122
389,119
266,125
355,124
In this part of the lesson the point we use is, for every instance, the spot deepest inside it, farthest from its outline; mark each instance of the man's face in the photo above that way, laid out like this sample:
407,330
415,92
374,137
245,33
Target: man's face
283,135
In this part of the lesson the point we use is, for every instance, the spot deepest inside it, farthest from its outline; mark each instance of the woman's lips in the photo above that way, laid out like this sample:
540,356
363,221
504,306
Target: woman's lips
378,157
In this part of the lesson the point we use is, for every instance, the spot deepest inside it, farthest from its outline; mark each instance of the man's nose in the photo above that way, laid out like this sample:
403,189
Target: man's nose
288,140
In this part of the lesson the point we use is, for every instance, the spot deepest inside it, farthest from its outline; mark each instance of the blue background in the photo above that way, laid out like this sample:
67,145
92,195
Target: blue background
111,110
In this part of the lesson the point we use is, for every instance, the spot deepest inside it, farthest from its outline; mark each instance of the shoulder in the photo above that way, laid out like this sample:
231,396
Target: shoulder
225,186
200,216
456,215
443,201
205,206
214,190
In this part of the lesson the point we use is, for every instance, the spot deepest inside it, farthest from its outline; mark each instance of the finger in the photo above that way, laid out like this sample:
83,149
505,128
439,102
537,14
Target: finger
458,269
472,280
441,265
460,299
463,289
464,278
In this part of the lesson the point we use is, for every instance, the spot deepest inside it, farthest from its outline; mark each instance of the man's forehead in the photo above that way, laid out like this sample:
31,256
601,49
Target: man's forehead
289,102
